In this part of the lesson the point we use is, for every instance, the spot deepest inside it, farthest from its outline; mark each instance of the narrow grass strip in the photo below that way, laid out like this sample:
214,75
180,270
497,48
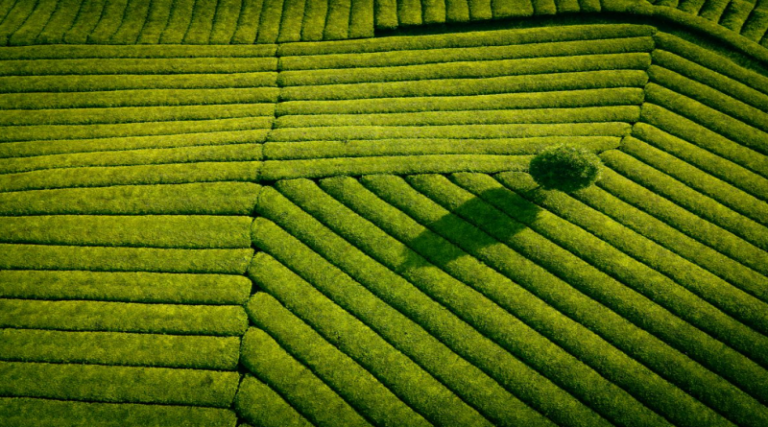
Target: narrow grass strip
248,23
506,101
316,168
61,21
702,137
466,117
41,67
225,21
156,231
713,165
178,22
35,24
466,380
16,17
170,288
347,133
120,384
256,402
422,301
97,258
360,388
685,221
385,13
201,25
123,317
300,388
92,83
458,87
470,39
410,147
87,19
21,412
698,345
728,195
109,23
178,173
133,22
110,348
291,21
613,364
400,374
221,198
269,25
313,25
361,19
157,19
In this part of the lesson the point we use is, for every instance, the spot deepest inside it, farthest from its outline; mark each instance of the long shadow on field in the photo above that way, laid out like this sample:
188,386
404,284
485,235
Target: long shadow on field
469,228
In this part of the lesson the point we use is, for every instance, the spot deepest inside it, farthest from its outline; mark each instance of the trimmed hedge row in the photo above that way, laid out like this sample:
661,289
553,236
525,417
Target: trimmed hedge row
220,198
468,69
466,380
713,165
109,348
98,258
600,287
306,393
135,17
174,127
533,388
339,64
395,370
256,402
116,66
201,25
157,20
175,173
337,20
347,133
586,345
77,53
138,98
269,24
128,287
273,170
313,25
15,18
109,22
291,17
385,14
248,23
360,388
409,12
702,137
116,115
225,21
738,200
34,24
508,101
123,317
361,19
92,83
464,39
21,412
119,384
467,117
685,221
457,87
390,147
156,231
216,153
178,22
61,21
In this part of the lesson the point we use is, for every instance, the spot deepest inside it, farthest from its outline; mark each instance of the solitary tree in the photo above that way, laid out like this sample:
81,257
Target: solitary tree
565,168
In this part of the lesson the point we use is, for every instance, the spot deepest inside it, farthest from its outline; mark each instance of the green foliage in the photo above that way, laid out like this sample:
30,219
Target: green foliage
109,348
96,258
157,20
409,12
480,10
109,22
456,10
361,19
120,384
123,317
16,17
258,403
225,21
21,412
133,21
61,21
306,393
269,24
565,168
248,23
87,18
201,25
168,288
313,25
41,67
34,24
405,335
178,22
337,21
292,18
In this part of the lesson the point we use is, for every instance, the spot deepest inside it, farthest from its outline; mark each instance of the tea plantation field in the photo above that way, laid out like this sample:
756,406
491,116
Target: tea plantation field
287,213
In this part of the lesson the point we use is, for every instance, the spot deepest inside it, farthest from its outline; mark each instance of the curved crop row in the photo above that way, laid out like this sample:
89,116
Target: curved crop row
258,403
116,66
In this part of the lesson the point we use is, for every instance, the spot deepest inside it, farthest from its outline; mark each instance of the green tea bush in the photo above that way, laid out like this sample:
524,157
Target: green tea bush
480,10
463,378
269,24
87,19
120,384
157,20
544,7
361,19
102,316
201,25
34,24
409,12
171,288
292,18
61,21
248,23
313,25
756,24
337,20
127,349
385,13
109,22
225,21
514,8
133,21
258,403
307,394
565,168
15,18
395,370
42,67
22,411
178,22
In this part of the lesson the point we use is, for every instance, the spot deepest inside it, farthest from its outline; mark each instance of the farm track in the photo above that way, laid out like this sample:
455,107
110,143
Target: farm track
339,231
